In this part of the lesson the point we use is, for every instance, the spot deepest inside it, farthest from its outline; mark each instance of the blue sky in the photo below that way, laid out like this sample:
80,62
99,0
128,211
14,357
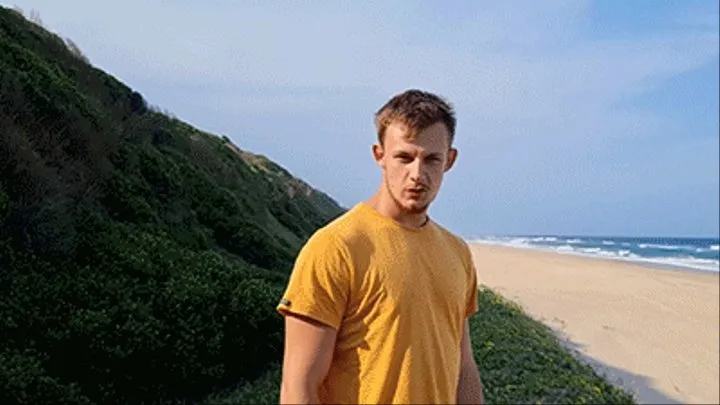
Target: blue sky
575,117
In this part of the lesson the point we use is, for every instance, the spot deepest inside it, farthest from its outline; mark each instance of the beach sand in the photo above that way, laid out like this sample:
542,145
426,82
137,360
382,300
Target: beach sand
656,332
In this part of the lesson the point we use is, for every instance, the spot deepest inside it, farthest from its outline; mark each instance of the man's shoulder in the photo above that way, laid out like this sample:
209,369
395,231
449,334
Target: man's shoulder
451,236
458,246
340,231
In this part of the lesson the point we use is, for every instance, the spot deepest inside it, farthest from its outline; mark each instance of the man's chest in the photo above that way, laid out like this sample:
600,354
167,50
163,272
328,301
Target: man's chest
406,281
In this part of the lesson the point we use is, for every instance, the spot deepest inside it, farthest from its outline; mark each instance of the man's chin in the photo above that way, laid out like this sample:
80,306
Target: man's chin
415,207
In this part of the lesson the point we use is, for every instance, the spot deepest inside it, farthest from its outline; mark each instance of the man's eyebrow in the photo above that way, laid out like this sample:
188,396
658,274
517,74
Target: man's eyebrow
402,153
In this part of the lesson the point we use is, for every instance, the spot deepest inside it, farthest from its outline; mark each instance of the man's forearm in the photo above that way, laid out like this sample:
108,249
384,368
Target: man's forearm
298,395
470,389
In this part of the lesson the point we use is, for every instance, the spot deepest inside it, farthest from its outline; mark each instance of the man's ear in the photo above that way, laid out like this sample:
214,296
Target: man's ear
378,154
452,156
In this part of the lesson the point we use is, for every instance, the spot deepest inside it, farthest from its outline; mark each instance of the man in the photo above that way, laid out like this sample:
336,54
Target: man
377,304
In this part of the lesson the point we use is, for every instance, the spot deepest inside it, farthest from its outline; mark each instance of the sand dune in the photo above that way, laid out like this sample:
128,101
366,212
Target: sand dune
656,331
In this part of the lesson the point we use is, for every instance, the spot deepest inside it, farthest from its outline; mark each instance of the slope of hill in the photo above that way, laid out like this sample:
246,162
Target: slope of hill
139,257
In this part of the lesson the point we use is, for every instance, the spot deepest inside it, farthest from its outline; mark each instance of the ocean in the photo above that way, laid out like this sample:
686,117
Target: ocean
685,253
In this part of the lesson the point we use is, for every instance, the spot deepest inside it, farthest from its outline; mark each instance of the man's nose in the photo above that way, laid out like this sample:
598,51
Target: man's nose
416,170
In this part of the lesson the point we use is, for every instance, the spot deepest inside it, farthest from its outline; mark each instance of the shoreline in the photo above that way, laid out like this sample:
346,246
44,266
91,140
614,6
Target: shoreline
642,263
652,330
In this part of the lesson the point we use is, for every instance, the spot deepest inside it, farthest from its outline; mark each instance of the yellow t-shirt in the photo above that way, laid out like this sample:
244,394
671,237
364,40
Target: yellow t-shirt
397,296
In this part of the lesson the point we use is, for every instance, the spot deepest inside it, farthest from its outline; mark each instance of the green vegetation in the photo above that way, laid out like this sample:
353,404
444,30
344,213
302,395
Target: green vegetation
141,259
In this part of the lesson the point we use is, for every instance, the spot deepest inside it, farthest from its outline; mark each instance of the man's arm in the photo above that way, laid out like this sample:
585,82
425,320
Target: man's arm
469,385
309,347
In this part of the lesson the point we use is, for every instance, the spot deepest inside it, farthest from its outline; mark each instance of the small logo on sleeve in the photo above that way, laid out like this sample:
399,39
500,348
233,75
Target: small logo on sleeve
285,302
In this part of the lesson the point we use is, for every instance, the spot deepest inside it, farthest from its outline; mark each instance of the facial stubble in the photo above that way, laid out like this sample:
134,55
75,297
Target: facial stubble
415,210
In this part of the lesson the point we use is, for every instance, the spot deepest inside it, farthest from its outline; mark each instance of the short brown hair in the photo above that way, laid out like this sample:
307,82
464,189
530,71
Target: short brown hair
418,110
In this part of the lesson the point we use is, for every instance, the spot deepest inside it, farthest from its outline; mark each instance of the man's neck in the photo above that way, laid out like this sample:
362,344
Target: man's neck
386,206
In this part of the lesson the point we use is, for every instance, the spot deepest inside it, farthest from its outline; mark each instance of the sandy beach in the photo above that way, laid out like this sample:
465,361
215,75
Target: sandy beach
654,331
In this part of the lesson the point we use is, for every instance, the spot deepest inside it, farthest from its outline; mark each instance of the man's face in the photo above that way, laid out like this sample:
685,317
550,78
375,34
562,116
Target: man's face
413,169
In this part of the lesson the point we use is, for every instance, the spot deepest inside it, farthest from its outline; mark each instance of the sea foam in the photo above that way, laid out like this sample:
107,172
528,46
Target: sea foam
688,253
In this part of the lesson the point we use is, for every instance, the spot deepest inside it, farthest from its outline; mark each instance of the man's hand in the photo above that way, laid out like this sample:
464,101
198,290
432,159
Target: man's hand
469,385
309,347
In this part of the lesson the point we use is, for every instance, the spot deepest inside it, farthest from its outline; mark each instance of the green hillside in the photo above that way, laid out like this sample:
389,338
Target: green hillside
141,259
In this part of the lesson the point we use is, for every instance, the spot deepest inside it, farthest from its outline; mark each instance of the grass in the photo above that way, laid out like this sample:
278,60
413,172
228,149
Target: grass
521,361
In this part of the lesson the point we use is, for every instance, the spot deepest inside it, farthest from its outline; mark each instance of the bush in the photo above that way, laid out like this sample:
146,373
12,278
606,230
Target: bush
23,380
148,320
